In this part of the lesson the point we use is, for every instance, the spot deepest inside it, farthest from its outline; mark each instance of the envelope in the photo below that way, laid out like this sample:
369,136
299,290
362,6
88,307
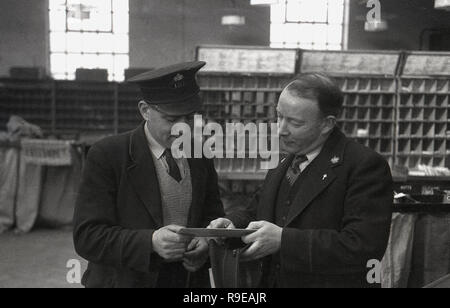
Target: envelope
203,232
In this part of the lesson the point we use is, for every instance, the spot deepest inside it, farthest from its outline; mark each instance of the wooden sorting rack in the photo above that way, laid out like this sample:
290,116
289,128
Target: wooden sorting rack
396,103
423,118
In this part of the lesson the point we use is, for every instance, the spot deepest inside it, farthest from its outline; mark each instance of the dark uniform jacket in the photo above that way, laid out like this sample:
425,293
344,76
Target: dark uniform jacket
338,219
119,208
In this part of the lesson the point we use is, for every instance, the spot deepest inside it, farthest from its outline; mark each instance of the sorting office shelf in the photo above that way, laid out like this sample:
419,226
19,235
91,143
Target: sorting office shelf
241,97
424,111
369,112
84,106
128,113
397,104
30,100
239,169
245,98
423,121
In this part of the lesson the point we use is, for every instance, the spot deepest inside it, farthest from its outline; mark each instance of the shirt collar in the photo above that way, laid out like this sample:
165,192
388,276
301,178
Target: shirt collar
156,148
312,155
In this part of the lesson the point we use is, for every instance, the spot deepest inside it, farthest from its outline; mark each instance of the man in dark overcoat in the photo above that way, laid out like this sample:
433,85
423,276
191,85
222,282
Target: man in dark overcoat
323,215
135,195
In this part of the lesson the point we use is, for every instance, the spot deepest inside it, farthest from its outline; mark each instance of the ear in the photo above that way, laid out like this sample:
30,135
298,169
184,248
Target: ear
329,124
144,109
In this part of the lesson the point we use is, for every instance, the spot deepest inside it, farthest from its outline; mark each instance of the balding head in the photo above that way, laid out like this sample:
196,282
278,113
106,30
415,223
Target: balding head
318,87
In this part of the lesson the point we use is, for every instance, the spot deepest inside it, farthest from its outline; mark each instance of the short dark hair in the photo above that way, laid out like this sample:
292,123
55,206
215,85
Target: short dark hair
321,87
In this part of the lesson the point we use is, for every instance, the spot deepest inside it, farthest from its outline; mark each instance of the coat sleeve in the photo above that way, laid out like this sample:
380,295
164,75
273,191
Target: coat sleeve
365,226
97,236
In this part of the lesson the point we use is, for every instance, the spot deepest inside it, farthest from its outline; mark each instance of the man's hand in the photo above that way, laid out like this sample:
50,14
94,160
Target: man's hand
196,255
168,244
265,241
221,223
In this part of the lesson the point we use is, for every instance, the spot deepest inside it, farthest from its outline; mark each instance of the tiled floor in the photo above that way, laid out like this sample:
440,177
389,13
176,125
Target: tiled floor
37,260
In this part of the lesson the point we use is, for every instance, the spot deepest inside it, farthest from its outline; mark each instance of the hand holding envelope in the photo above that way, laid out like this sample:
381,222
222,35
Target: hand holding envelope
197,251
221,223
263,238
219,228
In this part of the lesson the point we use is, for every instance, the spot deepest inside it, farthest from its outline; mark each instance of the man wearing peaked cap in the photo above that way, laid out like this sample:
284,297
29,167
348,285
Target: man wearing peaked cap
135,196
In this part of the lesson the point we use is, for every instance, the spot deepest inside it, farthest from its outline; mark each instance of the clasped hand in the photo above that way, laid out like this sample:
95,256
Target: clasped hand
266,240
174,247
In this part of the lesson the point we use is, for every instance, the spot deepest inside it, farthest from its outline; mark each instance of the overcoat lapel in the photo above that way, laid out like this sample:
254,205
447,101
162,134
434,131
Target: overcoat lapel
142,174
320,174
198,174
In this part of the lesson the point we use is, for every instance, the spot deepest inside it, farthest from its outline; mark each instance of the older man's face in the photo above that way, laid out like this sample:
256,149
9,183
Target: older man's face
301,124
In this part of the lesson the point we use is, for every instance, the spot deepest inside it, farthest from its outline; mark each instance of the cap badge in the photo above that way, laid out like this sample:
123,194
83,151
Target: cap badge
335,160
178,81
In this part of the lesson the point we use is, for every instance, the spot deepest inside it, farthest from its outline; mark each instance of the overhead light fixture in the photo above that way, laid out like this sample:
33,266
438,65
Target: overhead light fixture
233,16
263,2
376,25
233,20
442,4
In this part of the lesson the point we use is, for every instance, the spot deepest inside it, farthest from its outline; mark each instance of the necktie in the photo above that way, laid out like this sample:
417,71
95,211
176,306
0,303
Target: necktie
174,171
294,170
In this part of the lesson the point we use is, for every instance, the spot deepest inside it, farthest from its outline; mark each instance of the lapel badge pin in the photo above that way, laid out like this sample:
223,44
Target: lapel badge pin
335,160
324,177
